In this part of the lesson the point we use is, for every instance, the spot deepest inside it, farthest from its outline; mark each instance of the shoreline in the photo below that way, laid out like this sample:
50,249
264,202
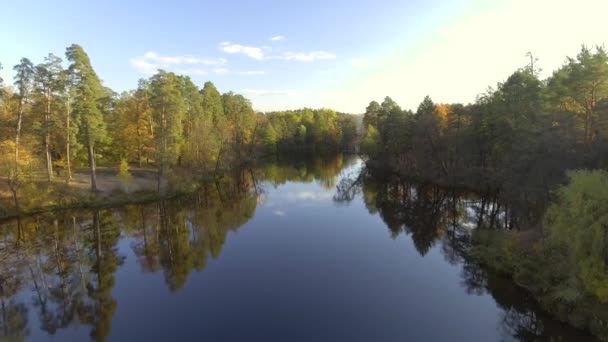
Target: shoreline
486,249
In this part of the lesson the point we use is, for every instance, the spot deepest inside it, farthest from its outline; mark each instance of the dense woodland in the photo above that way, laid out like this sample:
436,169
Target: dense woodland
536,150
58,118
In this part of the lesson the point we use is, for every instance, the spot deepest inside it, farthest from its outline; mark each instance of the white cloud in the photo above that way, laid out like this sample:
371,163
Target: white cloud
277,38
143,66
267,92
309,196
279,213
259,53
250,51
152,61
251,72
221,71
306,56
155,58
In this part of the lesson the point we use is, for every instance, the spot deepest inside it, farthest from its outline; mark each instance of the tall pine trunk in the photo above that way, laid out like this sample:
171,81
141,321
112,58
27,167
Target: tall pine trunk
139,146
67,142
18,131
163,148
47,138
91,151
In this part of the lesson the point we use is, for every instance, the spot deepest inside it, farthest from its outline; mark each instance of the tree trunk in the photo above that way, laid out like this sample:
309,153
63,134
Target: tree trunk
481,213
15,200
163,147
139,146
18,132
158,180
67,142
217,161
91,151
47,138
98,246
97,236
587,116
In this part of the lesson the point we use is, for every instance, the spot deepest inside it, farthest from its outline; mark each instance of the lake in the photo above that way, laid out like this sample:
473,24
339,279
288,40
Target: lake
292,251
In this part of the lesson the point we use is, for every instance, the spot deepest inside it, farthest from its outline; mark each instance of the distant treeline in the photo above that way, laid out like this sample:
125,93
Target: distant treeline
311,129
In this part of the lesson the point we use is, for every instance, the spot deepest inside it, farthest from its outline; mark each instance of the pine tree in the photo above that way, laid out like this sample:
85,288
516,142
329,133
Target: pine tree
168,111
24,76
88,90
48,82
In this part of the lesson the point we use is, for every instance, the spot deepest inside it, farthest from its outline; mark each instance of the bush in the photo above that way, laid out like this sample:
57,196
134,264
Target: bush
124,175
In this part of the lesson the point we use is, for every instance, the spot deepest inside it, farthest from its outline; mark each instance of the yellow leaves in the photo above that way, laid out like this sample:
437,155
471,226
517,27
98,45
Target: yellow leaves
569,104
7,155
7,149
444,111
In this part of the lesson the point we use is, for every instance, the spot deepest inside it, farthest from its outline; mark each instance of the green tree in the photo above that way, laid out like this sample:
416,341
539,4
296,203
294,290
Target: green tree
134,136
372,113
24,77
347,129
215,123
270,136
49,84
577,225
370,144
212,103
197,124
168,111
124,175
387,107
522,97
71,130
87,93
579,86
241,120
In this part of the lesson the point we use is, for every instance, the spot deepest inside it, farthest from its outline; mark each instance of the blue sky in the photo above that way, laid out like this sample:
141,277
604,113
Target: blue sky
339,54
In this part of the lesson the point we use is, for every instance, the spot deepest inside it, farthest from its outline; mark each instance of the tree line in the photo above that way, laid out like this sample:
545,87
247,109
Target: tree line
536,150
516,140
308,129
56,118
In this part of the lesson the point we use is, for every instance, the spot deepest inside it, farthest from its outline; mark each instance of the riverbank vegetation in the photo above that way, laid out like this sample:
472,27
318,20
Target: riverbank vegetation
535,150
65,138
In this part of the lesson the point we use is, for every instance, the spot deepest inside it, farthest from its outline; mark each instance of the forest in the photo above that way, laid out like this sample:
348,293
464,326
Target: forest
63,130
533,151
536,151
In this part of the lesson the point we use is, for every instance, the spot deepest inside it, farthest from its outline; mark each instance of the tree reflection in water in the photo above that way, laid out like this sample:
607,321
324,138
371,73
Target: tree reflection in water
69,259
431,215
61,267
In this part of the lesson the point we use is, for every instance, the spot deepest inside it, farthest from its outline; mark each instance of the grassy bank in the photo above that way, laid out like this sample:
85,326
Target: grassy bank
37,196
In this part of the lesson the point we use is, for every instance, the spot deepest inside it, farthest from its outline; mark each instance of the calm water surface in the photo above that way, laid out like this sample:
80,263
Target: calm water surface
287,252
